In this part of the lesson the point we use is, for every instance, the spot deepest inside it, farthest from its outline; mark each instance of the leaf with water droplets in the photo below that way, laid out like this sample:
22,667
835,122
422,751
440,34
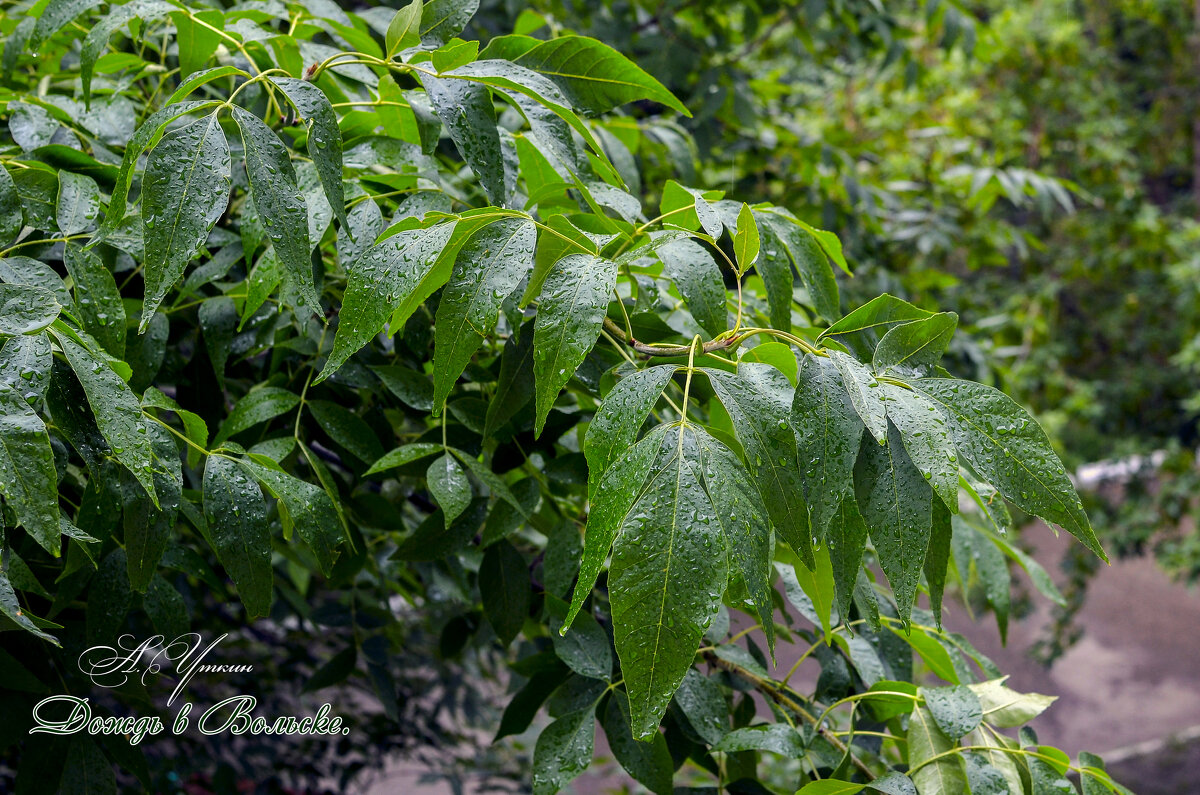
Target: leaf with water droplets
775,267
218,322
97,298
746,240
257,406
937,558
829,431
758,401
668,573
863,388
11,608
279,203
700,699
467,111
926,438
563,751
379,282
11,215
442,20
1006,447
28,480
117,411
197,36
26,309
744,524
778,738
237,529
956,709
861,329
364,224
803,246
449,486
404,29
570,314
53,16
897,505
917,345
514,386
616,423
698,278
324,137
97,38
305,507
846,537
649,763
488,267
933,774
78,203
184,191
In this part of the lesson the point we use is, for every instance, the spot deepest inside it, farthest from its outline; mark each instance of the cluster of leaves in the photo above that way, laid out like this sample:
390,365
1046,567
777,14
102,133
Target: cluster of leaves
387,318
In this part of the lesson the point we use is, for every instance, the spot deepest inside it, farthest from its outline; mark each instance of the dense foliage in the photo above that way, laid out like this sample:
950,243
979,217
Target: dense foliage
410,343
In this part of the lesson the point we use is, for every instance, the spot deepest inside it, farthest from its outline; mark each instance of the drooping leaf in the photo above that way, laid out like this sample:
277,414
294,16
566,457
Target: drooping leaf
863,388
698,278
563,751
184,191
117,411
829,432
324,138
237,522
11,216
669,568
97,299
571,312
700,699
1007,448
584,647
149,528
504,588
347,429
758,399
514,386
487,269
304,506
806,253
937,558
449,486
28,481
467,111
78,203
649,763
54,16
258,406
197,36
616,423
916,344
897,505
926,438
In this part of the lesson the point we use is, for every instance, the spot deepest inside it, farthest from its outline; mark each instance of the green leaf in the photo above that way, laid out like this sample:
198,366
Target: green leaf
926,439
758,399
404,29
563,751
698,278
324,138
117,411
829,432
571,310
914,345
238,531
775,267
449,486
584,647
109,597
218,321
197,36
347,429
778,738
86,770
26,309
669,569
955,709
25,362
810,262
828,786
938,558
817,583
379,282
861,329
649,763
944,775
27,477
413,388
504,586
700,699
594,76
78,203
487,269
467,111
97,38
1007,448
897,505
743,521
184,191
442,20
514,386
11,216
863,388
336,669
621,414
303,506
11,608
1005,708
148,529
23,270
258,406
746,240
97,299
846,537
279,203
404,455
54,15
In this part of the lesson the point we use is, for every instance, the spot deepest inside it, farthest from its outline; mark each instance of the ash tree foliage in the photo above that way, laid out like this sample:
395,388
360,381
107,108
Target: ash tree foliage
301,303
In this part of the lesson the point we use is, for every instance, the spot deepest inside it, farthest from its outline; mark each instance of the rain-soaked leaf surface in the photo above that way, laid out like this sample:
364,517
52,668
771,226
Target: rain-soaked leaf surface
237,528
829,431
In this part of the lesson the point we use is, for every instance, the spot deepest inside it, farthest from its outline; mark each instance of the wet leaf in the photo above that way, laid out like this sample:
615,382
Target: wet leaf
238,531
78,208
941,776
829,432
97,299
26,309
698,279
504,588
449,486
324,138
